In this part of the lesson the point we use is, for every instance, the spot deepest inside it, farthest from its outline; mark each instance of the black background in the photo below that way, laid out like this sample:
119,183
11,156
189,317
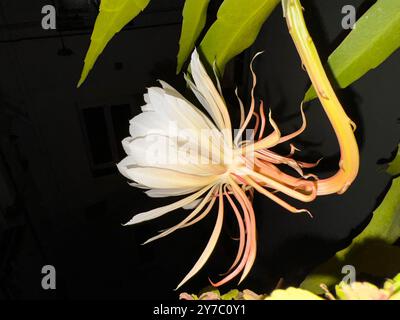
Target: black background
63,202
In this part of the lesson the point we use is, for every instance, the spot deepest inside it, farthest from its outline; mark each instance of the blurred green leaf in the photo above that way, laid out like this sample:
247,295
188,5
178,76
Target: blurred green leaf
394,166
209,289
344,291
236,28
112,17
377,259
385,223
231,295
375,38
370,252
292,294
394,287
194,19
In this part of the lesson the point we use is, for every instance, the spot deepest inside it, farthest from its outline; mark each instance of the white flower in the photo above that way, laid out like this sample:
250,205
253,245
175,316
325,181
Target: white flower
176,149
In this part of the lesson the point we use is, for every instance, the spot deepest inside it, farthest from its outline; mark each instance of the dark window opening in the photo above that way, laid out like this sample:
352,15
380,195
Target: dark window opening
104,128
119,116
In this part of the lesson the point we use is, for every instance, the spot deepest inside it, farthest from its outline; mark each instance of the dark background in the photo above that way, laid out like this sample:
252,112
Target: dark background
63,202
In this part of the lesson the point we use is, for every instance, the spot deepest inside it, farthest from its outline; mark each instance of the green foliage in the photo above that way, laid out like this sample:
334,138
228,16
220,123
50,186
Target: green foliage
214,294
371,251
236,28
375,38
210,293
293,294
344,291
113,16
367,291
194,19
230,295
238,23
394,166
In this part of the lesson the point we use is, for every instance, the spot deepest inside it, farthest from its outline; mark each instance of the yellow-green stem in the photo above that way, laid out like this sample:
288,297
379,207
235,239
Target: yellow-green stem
343,126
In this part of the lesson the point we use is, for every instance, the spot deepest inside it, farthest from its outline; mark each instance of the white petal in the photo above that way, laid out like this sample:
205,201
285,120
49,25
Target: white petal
161,193
168,153
171,105
169,90
193,204
215,104
190,217
138,185
147,108
168,179
210,245
158,212
148,123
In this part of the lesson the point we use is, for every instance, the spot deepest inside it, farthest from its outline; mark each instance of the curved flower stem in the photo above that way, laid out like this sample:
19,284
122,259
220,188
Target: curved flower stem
343,126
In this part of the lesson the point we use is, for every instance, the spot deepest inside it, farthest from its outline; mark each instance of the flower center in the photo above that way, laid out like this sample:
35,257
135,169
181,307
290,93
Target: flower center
233,164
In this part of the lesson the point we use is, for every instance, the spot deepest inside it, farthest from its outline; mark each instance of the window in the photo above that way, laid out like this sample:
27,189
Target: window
104,127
